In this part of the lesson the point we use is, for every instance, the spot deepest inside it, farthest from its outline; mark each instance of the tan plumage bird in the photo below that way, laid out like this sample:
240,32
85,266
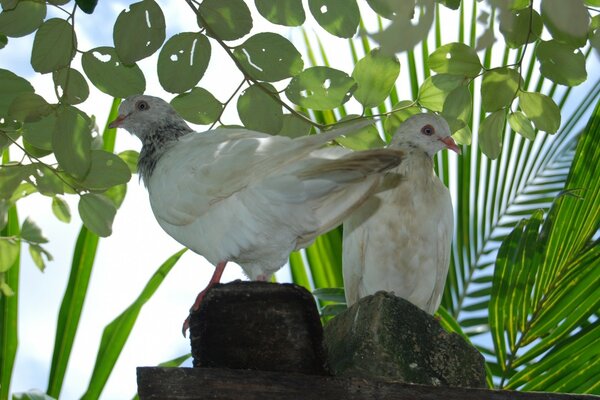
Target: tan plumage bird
245,196
399,239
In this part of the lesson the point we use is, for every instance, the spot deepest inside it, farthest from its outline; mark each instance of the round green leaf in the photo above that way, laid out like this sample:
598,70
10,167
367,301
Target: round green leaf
338,17
116,194
107,73
106,170
463,135
29,107
259,110
139,31
366,138
404,110
47,182
456,59
320,88
499,88
515,28
458,104
225,19
182,61
61,209
198,106
97,213
567,21
540,109
71,86
375,75
87,6
3,41
490,134
386,8
39,133
521,124
294,126
131,159
71,141
54,46
22,20
12,86
282,12
435,89
269,57
561,63
11,177
31,232
9,251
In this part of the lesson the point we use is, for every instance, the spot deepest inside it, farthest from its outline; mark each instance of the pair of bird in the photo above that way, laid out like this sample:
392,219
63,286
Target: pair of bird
252,198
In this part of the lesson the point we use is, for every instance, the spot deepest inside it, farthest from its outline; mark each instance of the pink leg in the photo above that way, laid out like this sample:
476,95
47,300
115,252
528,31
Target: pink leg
216,278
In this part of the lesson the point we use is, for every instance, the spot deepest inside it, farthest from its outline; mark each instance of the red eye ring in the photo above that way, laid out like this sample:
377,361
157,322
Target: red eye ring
428,130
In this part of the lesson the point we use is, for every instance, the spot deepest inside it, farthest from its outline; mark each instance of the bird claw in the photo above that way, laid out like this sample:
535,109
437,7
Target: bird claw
186,326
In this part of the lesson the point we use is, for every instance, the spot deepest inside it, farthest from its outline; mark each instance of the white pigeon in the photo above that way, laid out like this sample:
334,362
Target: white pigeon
399,239
244,196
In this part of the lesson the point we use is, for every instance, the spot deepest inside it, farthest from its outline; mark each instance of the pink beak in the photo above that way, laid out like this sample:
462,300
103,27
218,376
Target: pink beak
451,144
117,122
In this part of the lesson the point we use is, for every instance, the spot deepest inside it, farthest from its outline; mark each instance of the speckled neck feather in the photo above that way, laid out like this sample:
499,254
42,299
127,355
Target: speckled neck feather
155,144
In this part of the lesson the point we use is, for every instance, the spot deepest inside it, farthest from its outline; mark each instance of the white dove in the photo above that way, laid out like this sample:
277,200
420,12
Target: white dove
244,196
399,239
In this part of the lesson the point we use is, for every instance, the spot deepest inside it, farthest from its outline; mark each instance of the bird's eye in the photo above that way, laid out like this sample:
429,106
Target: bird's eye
428,130
142,105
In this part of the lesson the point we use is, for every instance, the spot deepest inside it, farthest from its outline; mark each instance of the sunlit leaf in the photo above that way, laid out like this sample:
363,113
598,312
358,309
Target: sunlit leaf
514,26
435,89
490,134
11,177
71,85
39,133
131,159
227,19
521,124
116,194
54,46
12,86
61,209
338,17
9,251
561,63
198,106
259,110
375,75
139,31
366,138
294,126
282,12
97,213
28,107
269,57
457,104
320,88
182,61
455,59
107,73
47,182
540,109
499,88
106,170
567,21
22,20
71,141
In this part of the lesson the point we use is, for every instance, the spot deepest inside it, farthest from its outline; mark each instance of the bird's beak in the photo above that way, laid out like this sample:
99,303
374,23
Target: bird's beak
117,122
451,144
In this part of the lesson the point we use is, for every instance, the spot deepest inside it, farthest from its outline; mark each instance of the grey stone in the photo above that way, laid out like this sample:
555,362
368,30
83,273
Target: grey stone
386,337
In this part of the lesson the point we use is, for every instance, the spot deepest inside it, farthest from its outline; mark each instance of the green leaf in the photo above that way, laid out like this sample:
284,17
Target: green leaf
54,46
375,75
561,63
455,59
3,41
294,126
131,159
320,88
514,26
12,86
366,138
28,107
11,177
116,194
107,73
87,6
435,89
338,17
139,31
567,21
31,232
116,333
269,57
521,124
22,20
97,213
9,251
39,133
61,209
457,105
198,106
490,133
71,141
542,110
71,86
404,110
282,12
106,170
499,88
37,255
387,8
182,61
225,19
330,294
259,110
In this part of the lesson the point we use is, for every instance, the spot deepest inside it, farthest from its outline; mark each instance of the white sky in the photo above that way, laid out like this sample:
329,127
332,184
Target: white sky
126,260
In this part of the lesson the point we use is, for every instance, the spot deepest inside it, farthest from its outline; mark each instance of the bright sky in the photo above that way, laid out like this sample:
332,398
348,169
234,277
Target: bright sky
126,260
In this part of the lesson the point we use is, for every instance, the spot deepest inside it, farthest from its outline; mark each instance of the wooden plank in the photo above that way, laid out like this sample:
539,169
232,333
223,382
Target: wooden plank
229,384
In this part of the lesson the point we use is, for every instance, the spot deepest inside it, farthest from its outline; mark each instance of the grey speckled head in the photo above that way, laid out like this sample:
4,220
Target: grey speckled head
156,123
428,132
